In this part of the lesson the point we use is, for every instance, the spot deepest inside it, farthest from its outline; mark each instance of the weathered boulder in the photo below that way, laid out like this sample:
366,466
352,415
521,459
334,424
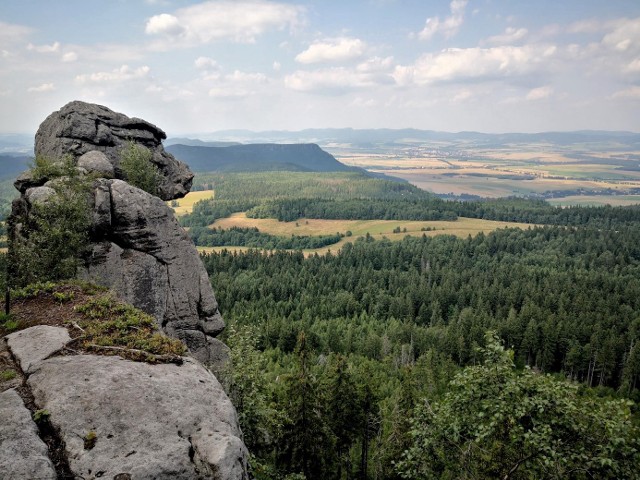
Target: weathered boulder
36,343
22,453
98,163
147,421
79,127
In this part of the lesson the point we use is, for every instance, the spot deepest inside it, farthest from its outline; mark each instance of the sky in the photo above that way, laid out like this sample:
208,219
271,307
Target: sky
201,66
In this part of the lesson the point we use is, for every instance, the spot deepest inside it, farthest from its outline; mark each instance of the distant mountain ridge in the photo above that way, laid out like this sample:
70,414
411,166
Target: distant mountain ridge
325,136
306,157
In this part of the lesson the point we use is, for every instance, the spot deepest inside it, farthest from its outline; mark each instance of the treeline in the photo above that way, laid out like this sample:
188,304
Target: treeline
251,237
288,210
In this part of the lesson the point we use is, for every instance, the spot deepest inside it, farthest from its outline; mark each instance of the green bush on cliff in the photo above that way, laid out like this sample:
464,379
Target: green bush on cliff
53,237
139,171
45,168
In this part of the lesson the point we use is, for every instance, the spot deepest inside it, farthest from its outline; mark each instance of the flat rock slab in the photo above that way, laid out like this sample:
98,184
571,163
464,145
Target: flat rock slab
149,421
34,344
22,453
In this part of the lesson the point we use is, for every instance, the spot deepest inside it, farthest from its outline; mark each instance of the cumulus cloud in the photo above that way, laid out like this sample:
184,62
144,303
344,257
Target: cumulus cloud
119,75
376,64
164,24
510,35
447,27
45,87
625,36
460,64
634,65
206,22
11,33
53,48
539,93
333,50
206,63
629,93
70,57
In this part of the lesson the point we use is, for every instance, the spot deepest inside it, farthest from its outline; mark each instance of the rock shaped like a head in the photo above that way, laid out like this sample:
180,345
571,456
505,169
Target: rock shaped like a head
79,127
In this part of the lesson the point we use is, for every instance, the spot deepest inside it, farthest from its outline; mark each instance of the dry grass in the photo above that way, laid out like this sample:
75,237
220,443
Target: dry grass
359,228
185,205
596,200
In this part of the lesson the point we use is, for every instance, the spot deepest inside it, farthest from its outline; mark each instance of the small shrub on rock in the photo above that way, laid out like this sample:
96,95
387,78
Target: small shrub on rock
139,171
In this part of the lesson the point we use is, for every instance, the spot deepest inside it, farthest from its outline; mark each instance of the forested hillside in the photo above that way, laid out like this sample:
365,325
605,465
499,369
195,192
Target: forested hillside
360,340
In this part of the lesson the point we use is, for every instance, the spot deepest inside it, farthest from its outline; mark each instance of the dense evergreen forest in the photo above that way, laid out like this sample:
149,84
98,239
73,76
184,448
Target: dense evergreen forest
387,325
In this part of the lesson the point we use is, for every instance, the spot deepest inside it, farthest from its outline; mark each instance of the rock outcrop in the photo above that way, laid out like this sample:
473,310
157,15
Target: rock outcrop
141,252
112,417
79,128
118,417
138,248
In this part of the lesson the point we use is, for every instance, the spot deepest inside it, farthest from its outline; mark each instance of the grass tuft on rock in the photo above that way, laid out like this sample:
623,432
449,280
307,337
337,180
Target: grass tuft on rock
113,326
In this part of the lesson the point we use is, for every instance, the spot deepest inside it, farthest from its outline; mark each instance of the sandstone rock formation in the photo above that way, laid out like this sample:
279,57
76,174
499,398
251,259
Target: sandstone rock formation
79,128
141,252
111,417
138,248
118,417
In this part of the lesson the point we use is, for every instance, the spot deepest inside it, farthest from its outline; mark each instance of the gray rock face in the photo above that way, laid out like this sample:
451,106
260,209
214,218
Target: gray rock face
96,162
34,344
149,421
22,453
148,258
146,418
79,127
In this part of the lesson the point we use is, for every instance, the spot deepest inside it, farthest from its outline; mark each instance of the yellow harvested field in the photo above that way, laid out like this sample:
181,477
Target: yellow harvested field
185,205
359,228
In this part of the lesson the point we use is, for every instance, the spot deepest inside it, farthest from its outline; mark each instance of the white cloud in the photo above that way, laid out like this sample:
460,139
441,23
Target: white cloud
53,48
625,36
206,63
333,80
376,64
119,75
45,87
206,22
460,64
333,50
634,66
585,26
276,66
447,27
510,35
70,57
539,93
164,24
461,96
11,33
629,93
